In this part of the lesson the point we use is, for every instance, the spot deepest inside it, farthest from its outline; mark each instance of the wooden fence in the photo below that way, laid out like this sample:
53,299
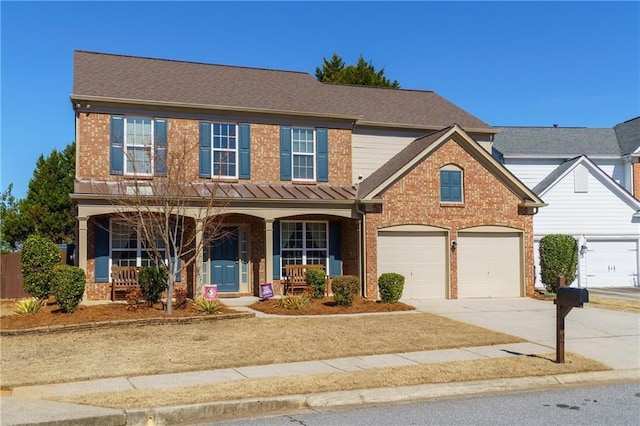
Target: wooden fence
11,277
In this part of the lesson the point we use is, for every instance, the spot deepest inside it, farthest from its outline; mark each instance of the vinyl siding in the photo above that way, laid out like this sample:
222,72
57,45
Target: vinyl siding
531,172
371,149
574,213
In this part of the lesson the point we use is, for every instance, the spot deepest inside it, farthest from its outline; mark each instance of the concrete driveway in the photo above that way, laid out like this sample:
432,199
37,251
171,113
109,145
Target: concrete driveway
625,293
610,337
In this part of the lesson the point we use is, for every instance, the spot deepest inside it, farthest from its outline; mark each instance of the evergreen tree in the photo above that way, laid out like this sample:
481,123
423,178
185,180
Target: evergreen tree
363,73
47,209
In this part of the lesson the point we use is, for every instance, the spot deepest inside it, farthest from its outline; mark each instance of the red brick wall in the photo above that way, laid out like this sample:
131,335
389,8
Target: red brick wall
415,199
636,180
182,136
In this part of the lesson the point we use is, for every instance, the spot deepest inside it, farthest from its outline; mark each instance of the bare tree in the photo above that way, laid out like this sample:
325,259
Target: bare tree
174,217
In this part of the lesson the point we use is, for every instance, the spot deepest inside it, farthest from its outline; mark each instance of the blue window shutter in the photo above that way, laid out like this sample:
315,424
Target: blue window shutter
101,255
322,146
450,185
205,149
285,153
116,153
276,250
160,131
335,250
245,152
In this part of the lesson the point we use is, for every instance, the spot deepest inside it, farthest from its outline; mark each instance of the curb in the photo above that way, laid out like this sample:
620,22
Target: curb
226,410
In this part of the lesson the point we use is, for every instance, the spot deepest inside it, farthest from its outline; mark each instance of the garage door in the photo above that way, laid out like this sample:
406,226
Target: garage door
489,264
420,257
611,263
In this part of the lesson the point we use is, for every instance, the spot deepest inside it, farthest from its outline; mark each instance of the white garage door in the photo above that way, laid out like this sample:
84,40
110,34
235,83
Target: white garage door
420,257
489,264
611,263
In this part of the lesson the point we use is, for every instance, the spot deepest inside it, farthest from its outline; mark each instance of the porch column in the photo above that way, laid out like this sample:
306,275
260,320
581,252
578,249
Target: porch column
268,257
197,281
82,248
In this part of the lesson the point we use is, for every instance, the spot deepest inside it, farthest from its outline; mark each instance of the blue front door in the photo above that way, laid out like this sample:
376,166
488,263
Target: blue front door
224,261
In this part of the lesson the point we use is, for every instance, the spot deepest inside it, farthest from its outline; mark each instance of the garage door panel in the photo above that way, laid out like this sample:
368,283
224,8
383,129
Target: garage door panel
489,265
419,257
611,263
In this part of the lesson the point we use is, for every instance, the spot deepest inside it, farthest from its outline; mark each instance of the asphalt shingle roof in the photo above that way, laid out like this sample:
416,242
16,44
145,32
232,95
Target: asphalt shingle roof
556,141
628,134
197,84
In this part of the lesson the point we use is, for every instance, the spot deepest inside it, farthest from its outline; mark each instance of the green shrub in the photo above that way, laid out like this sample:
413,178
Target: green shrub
37,258
558,257
344,288
68,286
391,286
317,279
208,307
28,306
291,301
152,281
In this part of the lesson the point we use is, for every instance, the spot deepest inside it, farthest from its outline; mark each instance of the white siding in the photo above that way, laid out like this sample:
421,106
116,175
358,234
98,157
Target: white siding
371,149
600,211
614,168
531,172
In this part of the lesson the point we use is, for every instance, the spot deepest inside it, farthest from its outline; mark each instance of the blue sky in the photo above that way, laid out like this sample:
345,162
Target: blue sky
508,63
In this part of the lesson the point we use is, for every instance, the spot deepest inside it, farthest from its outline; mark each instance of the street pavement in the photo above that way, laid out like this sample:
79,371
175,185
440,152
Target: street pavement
610,337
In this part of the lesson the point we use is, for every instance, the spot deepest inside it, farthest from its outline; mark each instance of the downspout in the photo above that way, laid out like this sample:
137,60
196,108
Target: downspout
362,253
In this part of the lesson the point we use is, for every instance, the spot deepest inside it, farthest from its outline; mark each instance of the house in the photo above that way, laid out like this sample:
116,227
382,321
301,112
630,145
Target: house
590,177
362,180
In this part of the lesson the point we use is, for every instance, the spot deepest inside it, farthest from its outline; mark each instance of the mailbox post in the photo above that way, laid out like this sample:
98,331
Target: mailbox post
567,298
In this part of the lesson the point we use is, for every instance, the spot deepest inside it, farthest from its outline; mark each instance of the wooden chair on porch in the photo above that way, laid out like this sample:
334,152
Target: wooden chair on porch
122,279
295,277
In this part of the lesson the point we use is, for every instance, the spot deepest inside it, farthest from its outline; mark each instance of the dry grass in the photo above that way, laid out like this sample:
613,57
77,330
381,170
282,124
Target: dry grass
614,304
162,349
516,366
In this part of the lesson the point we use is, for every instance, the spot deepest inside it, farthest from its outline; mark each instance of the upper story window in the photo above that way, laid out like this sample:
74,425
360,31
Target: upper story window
138,146
224,150
304,154
451,184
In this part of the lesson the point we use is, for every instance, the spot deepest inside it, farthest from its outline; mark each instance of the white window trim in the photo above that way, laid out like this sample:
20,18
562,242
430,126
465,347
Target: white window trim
150,147
304,242
213,150
138,249
306,154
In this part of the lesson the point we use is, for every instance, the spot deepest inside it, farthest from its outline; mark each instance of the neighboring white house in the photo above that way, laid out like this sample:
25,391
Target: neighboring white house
587,178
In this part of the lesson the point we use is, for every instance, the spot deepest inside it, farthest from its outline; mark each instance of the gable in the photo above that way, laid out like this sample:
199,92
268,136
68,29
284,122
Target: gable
581,181
423,148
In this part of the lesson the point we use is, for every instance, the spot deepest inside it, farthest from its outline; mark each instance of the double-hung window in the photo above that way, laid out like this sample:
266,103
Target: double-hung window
224,150
451,184
304,243
303,151
138,146
128,248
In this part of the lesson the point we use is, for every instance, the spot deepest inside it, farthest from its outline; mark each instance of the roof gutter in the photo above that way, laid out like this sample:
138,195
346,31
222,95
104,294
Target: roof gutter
362,123
77,101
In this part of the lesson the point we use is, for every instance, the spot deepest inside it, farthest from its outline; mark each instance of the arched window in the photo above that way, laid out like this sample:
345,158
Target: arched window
451,184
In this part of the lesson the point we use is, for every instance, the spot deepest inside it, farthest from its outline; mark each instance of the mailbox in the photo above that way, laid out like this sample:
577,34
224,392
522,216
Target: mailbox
571,296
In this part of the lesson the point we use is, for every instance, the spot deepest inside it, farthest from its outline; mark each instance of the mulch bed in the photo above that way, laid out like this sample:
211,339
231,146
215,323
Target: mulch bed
327,306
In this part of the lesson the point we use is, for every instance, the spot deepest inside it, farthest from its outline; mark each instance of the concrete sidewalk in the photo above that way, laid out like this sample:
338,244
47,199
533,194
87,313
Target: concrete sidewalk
607,336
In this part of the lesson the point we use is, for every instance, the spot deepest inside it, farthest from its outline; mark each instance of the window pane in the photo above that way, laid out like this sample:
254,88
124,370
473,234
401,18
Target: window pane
123,237
139,160
291,235
316,235
138,132
124,258
302,167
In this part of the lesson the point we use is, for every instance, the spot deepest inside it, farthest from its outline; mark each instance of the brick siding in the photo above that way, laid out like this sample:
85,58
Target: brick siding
415,199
